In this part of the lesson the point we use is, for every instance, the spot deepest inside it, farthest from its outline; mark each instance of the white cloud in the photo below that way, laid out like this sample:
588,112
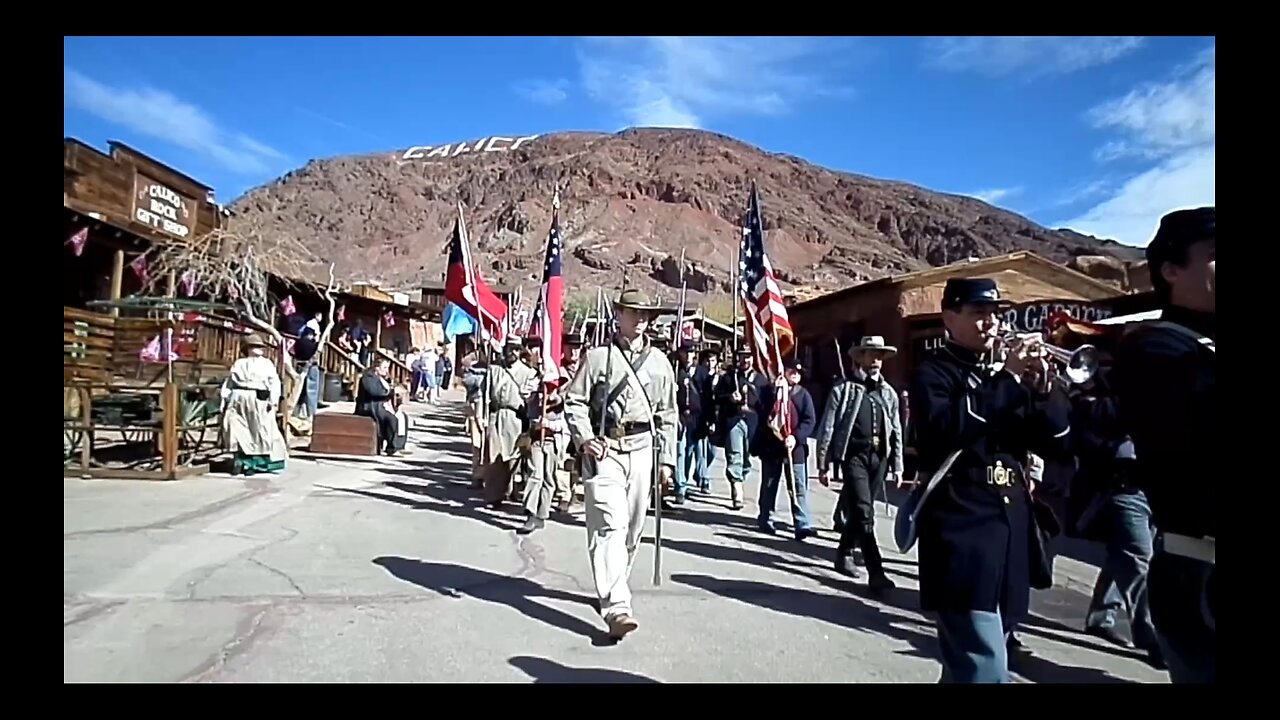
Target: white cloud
994,195
163,116
681,81
1030,56
544,92
1171,126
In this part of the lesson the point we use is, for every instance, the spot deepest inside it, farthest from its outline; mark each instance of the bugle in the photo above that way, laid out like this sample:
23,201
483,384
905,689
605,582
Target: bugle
1078,366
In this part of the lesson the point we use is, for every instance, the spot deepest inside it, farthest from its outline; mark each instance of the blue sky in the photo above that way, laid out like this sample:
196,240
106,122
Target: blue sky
1101,134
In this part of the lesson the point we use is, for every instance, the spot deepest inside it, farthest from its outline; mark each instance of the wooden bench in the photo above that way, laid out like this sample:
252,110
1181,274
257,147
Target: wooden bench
343,434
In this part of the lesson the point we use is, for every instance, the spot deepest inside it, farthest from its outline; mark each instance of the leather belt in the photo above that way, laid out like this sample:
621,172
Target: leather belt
628,429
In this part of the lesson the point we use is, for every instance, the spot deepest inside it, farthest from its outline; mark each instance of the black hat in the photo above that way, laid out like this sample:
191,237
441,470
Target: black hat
971,291
744,352
571,339
1178,230
687,345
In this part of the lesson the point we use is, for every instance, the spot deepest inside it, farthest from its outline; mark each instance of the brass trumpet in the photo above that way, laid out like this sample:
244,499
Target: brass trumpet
1078,365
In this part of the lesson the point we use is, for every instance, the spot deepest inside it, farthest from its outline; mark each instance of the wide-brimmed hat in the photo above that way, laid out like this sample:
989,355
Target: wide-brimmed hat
874,343
253,340
635,300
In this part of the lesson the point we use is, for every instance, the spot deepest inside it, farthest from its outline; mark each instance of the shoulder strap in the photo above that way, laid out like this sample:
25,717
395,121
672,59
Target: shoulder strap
1186,331
633,367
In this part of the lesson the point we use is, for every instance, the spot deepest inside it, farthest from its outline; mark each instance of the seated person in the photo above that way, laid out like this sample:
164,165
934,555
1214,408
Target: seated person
376,399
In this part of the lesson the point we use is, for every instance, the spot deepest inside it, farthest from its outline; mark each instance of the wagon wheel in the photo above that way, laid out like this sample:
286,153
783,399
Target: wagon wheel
194,421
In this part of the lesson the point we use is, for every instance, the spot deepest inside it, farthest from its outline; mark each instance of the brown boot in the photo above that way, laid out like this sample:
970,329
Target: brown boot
621,625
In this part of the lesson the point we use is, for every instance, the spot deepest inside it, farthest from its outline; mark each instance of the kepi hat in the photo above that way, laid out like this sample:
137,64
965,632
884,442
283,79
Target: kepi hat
971,291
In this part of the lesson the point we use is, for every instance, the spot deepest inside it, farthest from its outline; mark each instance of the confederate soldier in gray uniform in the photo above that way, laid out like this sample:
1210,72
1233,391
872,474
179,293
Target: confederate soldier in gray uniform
548,445
861,433
621,408
509,386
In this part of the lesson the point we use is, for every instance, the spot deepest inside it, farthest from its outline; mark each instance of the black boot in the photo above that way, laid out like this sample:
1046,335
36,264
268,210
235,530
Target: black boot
876,579
844,551
533,523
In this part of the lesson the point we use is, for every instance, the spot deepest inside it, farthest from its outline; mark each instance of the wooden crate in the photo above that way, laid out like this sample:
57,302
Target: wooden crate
341,434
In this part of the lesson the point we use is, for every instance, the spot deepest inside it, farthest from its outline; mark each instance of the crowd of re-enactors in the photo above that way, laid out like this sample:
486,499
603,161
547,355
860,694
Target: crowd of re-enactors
1132,431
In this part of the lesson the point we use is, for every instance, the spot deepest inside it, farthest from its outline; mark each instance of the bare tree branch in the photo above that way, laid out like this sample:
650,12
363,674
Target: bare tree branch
237,267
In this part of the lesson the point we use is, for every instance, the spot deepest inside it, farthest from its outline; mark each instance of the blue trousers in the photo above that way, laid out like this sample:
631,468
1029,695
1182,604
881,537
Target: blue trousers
771,478
973,647
1125,521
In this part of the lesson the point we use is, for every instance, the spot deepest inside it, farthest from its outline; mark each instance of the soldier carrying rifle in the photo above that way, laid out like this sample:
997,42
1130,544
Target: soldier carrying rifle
621,409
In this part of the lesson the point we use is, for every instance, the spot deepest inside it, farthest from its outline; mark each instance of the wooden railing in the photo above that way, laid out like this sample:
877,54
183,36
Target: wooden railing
400,372
334,359
97,346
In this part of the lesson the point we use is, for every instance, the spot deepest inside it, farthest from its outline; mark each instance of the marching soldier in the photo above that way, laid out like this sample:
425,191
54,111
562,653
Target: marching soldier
862,434
974,427
738,396
566,480
509,386
1165,376
548,444
689,399
621,408
475,368
706,377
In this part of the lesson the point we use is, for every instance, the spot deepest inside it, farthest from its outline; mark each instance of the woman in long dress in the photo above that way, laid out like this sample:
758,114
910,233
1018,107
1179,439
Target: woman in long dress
250,397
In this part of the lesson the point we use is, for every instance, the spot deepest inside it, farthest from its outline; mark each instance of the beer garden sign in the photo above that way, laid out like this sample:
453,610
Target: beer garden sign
427,153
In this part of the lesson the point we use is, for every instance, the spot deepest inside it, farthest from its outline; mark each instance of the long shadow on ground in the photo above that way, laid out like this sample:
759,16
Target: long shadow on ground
543,670
458,581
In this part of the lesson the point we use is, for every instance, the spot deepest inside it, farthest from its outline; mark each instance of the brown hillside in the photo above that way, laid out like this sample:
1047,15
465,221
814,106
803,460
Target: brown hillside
630,203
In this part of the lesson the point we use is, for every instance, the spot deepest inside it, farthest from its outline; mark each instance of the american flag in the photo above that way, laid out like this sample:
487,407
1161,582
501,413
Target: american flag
768,329
548,318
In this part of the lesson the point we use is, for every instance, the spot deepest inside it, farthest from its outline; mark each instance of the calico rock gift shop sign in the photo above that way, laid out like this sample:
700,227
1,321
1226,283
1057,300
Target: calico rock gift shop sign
160,207
430,153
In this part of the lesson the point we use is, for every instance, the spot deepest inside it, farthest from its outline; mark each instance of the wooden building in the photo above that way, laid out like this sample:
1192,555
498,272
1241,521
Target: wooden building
115,205
905,309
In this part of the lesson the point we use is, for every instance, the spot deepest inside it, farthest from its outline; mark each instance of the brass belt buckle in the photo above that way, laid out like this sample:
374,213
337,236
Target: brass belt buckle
616,432
1000,476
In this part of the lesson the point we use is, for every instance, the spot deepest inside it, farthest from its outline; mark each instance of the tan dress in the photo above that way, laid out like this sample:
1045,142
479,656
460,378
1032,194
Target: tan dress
249,427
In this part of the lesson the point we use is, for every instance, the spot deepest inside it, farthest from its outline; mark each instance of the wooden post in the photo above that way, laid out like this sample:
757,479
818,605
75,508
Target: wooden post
377,334
117,279
171,284
169,430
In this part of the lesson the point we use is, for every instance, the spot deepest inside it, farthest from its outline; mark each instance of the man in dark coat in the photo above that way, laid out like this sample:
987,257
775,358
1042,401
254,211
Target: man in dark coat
1106,505
689,405
374,392
772,451
975,528
738,397
861,435
1166,379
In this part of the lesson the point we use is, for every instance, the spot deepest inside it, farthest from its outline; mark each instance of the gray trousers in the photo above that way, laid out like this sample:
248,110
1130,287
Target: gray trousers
545,459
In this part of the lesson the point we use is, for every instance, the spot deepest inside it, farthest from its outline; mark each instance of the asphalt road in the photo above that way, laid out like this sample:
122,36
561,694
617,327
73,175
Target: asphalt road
392,570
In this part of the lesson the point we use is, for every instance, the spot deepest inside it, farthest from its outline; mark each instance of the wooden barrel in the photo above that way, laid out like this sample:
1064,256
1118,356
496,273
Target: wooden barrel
332,388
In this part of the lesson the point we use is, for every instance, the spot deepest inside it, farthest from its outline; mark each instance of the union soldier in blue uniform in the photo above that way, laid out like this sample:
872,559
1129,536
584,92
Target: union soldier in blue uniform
1166,378
975,528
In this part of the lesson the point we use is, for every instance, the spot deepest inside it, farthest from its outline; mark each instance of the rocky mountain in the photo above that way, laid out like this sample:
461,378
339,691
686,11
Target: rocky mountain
630,204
